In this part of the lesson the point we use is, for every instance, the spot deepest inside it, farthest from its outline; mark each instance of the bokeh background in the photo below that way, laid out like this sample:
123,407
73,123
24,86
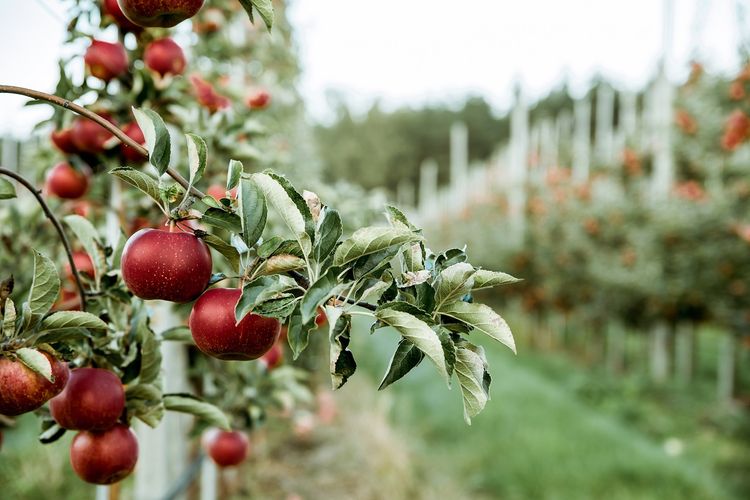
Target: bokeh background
597,150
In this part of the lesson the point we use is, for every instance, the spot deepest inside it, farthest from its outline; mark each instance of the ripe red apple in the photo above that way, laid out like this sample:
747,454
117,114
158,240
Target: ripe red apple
273,358
207,96
69,300
83,264
93,399
112,8
321,318
66,182
133,131
164,57
218,192
215,332
226,449
259,99
166,265
63,140
23,390
105,60
104,457
89,136
210,21
159,13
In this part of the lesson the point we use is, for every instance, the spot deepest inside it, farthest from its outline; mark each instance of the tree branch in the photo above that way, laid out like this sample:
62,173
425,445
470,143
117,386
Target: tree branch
122,136
55,222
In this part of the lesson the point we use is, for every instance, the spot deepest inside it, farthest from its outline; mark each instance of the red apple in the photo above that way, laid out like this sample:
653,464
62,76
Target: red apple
216,333
112,8
133,131
273,358
210,21
104,457
225,448
69,300
63,140
79,207
89,136
23,390
66,182
259,99
218,192
321,318
159,13
83,264
164,57
93,399
165,265
105,60
207,95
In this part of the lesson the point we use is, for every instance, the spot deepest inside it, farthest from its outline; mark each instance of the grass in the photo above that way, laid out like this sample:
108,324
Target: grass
538,438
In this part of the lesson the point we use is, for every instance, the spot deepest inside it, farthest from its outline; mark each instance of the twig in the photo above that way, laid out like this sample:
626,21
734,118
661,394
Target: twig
305,283
55,222
114,130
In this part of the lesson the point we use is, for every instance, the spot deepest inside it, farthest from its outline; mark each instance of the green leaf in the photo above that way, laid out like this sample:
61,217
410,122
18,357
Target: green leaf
418,333
280,264
253,211
88,237
36,361
264,8
222,219
298,334
261,290
139,180
471,370
186,403
452,283
9,320
234,172
397,218
158,142
342,362
197,152
147,392
370,240
488,279
323,289
51,434
329,232
406,357
150,351
45,286
7,189
228,251
280,308
178,334
290,205
481,318
70,320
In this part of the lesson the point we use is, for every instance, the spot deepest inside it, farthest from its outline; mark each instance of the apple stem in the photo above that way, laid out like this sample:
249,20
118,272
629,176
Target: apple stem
121,136
55,222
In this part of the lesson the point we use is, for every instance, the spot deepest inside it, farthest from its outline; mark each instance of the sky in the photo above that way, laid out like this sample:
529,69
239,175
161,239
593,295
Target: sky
411,52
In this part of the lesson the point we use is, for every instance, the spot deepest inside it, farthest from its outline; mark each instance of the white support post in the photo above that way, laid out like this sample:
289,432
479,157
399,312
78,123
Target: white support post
664,175
726,368
659,353
563,139
582,140
519,149
405,194
547,146
605,110
164,451
533,155
209,480
628,122
459,165
428,189
10,154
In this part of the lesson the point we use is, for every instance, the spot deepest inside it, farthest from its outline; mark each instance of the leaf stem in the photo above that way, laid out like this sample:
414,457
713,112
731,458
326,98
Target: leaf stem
114,130
55,222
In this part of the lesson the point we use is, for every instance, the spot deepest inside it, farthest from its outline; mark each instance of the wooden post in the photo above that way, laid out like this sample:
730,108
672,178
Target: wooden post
164,451
685,353
459,164
428,189
726,368
582,140
659,353
605,110
519,148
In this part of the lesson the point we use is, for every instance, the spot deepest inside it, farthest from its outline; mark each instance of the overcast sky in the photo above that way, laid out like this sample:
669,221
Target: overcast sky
407,52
